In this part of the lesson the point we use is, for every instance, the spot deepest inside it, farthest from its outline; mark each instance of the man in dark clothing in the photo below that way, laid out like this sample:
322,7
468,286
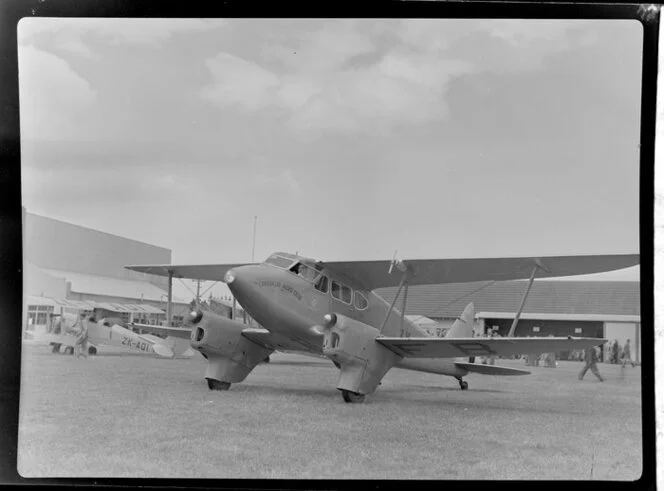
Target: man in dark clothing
591,363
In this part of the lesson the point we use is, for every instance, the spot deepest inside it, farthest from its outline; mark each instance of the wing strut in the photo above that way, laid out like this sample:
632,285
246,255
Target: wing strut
169,299
403,309
407,272
523,301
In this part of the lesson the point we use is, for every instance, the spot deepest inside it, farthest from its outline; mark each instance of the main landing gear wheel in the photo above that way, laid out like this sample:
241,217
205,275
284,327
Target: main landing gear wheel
463,384
352,397
55,348
218,384
69,350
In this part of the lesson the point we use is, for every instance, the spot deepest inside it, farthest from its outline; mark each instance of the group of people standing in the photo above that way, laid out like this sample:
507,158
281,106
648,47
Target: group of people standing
616,354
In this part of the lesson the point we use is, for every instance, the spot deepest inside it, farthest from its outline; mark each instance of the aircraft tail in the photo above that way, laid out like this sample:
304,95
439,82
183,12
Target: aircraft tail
463,326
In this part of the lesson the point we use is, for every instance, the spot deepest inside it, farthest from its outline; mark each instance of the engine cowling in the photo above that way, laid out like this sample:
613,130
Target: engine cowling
352,346
231,356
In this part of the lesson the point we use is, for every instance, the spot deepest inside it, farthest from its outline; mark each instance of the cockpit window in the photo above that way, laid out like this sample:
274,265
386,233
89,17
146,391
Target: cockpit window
279,261
304,271
322,284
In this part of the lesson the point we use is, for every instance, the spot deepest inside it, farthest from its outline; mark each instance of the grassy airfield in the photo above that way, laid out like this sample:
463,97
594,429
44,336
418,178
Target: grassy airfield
125,415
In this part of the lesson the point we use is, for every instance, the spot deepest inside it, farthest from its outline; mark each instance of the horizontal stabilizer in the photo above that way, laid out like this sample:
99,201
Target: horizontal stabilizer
491,369
454,347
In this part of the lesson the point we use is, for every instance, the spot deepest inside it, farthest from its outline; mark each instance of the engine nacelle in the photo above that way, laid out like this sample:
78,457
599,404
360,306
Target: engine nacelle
230,355
352,346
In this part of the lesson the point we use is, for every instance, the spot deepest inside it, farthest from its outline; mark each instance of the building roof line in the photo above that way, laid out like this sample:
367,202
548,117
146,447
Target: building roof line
100,231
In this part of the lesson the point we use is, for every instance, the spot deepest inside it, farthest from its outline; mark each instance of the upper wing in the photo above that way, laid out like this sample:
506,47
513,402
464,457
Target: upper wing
177,332
375,274
453,347
212,272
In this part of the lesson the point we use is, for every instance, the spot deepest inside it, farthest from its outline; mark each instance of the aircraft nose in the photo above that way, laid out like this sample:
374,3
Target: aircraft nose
238,280
229,277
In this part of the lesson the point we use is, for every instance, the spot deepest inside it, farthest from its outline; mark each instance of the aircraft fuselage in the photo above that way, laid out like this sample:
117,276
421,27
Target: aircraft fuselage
289,304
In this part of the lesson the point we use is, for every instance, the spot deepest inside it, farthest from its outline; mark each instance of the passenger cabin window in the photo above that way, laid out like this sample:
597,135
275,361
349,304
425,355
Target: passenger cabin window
304,271
346,294
336,290
279,261
342,292
322,284
360,301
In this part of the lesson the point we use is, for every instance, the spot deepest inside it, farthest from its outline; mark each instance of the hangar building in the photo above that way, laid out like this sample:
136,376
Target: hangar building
69,266
607,309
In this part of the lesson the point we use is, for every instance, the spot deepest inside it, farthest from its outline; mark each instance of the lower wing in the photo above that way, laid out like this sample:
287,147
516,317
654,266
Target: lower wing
276,342
453,347
491,369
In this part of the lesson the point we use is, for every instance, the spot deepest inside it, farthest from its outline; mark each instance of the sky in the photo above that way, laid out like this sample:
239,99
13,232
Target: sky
348,139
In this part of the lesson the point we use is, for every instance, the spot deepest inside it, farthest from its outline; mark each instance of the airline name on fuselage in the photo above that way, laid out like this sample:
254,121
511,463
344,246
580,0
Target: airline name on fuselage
278,284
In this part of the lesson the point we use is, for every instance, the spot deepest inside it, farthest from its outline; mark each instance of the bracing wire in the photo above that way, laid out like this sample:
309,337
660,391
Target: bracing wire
443,307
208,289
185,285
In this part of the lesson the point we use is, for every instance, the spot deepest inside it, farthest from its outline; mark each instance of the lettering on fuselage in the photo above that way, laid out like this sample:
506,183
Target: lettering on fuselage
277,284
138,345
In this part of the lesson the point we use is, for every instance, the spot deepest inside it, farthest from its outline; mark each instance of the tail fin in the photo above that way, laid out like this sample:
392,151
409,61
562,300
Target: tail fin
463,326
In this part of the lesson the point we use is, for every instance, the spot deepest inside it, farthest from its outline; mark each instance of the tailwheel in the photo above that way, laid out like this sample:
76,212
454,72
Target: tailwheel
92,350
463,384
217,384
351,397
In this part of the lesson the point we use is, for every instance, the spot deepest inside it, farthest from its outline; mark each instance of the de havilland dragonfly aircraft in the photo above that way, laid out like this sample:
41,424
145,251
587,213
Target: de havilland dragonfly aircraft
331,309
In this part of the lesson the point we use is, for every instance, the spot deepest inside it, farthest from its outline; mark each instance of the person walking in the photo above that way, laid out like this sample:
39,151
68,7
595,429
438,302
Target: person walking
615,348
591,364
627,355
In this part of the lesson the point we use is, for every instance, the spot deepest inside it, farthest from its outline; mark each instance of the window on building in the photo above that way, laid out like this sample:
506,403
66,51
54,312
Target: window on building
360,301
322,284
536,329
578,330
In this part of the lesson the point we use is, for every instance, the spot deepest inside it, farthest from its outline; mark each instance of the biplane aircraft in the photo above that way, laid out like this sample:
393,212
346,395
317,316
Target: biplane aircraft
331,308
108,332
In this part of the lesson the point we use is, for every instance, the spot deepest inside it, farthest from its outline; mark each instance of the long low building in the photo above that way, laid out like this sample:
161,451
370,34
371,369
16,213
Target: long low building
66,263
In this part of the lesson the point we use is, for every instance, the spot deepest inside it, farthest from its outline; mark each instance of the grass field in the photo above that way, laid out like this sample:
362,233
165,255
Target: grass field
119,415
